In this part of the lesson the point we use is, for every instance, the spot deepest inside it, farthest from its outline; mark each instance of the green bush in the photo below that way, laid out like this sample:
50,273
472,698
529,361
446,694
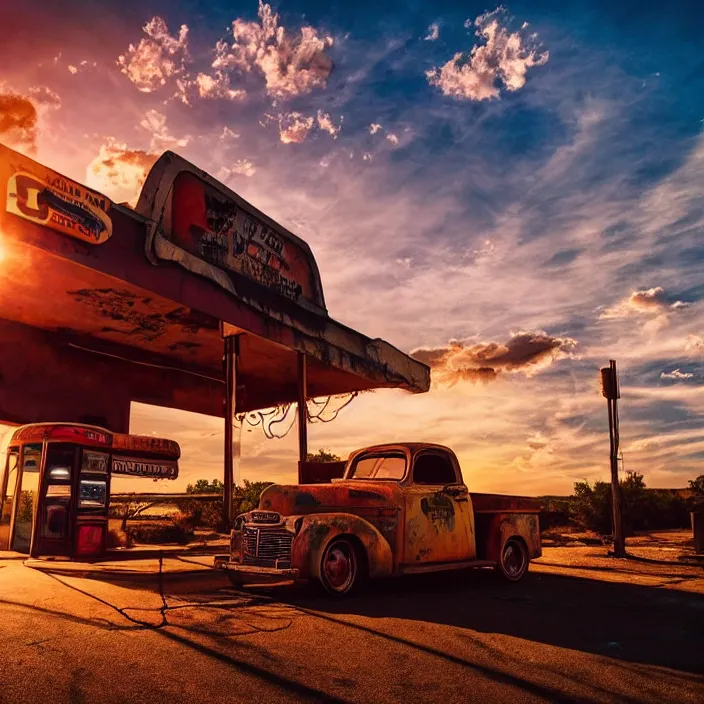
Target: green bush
554,512
322,456
178,530
643,509
209,513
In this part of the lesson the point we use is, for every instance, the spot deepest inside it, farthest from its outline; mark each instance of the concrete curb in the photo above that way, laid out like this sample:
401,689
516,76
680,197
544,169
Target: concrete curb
177,582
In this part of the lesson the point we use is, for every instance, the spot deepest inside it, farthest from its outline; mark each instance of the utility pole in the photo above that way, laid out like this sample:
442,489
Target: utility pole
302,414
231,364
610,389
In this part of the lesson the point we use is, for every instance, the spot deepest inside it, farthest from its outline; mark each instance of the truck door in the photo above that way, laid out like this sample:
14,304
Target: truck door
438,512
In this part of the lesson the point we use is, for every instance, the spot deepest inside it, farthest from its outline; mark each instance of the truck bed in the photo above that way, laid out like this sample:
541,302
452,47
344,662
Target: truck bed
504,503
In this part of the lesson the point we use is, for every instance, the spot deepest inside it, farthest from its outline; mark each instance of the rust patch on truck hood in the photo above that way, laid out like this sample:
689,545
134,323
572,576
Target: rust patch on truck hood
341,496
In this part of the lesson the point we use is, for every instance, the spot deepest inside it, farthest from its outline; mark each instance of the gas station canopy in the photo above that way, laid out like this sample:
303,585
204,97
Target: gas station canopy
102,305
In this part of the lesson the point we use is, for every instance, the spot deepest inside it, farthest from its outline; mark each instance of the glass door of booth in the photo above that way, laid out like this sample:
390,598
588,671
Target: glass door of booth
54,525
7,496
26,497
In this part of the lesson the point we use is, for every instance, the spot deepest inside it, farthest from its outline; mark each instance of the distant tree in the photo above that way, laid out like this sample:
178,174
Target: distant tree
697,486
203,486
246,497
643,509
322,456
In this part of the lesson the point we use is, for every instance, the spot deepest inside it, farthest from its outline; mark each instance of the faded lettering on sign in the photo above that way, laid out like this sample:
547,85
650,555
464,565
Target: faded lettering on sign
144,468
60,204
210,225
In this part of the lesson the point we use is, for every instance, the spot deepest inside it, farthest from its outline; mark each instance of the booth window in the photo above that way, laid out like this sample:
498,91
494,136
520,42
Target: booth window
10,484
55,523
92,494
95,462
59,462
32,457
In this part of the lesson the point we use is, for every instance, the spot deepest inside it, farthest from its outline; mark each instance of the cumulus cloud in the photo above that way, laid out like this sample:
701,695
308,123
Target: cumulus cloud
158,57
392,138
154,122
228,134
83,66
525,352
241,167
374,128
217,86
294,127
677,375
326,124
18,122
291,66
433,32
120,172
645,301
44,98
500,60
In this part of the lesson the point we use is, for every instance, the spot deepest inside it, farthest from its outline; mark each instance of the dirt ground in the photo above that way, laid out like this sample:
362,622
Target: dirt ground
581,627
659,559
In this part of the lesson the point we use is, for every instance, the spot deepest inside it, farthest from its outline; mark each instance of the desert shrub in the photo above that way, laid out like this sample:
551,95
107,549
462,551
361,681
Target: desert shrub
177,530
643,509
246,497
209,513
696,502
322,456
554,512
118,539
211,516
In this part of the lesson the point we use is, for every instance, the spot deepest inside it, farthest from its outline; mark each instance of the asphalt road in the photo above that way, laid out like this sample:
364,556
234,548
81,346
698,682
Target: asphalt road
456,638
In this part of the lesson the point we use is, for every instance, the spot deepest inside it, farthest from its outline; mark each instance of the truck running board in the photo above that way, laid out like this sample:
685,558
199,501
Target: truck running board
442,566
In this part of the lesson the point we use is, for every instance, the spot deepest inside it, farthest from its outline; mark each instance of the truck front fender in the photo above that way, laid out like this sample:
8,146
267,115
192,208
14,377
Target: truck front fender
318,529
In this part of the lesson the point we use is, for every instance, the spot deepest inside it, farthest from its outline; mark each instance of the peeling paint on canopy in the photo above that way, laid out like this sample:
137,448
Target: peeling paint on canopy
150,292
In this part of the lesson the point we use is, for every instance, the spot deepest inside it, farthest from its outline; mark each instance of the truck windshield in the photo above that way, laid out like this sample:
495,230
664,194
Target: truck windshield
387,465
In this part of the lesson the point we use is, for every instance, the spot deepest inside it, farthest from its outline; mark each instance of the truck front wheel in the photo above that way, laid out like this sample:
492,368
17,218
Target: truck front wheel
341,567
514,560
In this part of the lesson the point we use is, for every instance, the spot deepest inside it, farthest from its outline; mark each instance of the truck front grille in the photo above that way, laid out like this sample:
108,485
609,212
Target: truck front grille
266,547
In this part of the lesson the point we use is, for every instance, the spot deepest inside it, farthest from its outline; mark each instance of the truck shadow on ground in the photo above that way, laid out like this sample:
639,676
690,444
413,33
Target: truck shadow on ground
649,626
633,623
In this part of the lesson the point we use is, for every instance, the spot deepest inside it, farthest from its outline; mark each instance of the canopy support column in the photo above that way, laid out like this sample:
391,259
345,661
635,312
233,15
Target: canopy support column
231,361
302,414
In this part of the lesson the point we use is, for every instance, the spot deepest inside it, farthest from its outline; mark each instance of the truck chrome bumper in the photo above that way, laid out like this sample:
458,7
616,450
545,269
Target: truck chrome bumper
256,574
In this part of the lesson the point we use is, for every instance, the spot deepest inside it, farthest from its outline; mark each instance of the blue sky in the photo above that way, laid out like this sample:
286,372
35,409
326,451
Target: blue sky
537,198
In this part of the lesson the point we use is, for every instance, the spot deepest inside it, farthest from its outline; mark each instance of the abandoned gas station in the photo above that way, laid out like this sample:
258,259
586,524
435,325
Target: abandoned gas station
194,300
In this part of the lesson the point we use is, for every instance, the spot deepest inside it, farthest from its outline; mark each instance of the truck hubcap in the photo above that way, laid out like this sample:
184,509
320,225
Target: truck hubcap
513,559
339,566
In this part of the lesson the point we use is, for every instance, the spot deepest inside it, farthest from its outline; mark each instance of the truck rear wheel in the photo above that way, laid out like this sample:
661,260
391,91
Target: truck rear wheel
514,560
341,567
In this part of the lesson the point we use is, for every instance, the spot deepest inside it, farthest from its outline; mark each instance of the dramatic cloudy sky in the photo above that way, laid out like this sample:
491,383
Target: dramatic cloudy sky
515,193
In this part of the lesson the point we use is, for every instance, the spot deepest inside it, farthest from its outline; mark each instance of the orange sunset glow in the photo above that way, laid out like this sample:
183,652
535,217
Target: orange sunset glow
502,278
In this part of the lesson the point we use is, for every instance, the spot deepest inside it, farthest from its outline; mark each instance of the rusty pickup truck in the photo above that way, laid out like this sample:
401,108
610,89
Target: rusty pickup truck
398,509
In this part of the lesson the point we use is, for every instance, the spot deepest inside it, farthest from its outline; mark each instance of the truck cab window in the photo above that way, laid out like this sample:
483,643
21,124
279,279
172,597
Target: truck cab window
379,466
433,468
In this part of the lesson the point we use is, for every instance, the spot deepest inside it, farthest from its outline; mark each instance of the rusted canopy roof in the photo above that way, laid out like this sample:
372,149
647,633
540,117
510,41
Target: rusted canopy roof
134,303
